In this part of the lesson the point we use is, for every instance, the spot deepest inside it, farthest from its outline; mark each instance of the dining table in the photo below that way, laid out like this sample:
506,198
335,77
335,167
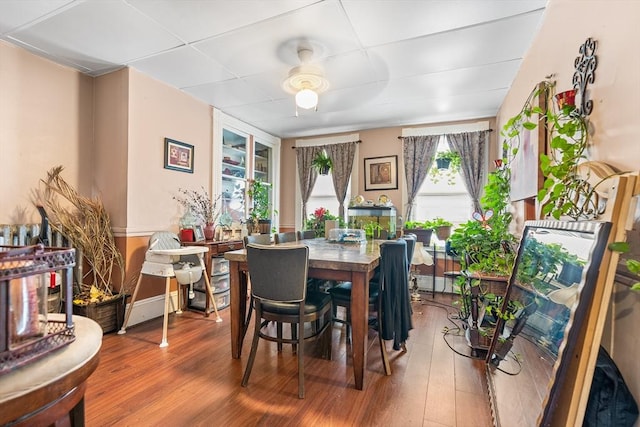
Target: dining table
347,262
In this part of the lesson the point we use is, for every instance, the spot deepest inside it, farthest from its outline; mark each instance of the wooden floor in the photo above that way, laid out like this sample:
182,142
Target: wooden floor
195,382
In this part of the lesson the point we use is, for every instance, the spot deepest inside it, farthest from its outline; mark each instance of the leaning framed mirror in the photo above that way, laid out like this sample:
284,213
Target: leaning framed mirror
546,301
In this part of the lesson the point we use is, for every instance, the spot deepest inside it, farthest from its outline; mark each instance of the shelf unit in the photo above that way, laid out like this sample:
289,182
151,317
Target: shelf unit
242,153
218,270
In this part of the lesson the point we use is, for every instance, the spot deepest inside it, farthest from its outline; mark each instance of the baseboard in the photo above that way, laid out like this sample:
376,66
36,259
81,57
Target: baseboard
150,308
443,284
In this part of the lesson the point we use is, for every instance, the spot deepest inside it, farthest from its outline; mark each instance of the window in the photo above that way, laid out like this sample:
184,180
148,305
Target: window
440,199
323,195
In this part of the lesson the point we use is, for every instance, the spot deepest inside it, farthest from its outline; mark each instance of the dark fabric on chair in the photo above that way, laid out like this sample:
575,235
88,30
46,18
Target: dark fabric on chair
411,240
394,287
289,236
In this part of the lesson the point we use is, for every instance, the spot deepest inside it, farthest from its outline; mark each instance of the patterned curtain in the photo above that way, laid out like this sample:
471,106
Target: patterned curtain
306,174
341,156
472,147
418,153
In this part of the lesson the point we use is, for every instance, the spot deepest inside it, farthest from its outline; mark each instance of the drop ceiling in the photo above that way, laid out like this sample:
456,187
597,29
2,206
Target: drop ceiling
389,63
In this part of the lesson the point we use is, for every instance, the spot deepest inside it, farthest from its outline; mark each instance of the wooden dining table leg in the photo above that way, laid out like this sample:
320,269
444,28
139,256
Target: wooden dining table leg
238,307
359,324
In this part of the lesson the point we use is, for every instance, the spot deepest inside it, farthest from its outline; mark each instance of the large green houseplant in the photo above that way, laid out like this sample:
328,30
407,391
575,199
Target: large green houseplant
261,208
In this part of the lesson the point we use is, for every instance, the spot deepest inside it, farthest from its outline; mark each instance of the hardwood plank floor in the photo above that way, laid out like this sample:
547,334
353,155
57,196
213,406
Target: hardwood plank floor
195,382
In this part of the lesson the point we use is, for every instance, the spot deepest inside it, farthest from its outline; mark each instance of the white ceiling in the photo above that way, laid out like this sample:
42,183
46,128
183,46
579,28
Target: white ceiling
389,62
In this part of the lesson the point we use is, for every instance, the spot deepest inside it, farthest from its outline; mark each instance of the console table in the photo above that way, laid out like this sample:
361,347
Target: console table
51,390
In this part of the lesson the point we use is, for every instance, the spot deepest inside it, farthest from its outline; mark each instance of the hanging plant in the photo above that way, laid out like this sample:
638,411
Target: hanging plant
564,192
322,163
447,165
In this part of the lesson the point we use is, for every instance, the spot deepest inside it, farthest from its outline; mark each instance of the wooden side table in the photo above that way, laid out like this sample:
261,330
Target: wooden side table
51,390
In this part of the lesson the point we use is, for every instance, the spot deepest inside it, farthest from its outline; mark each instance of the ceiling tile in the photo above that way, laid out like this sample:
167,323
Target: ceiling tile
98,31
386,21
16,13
268,45
469,47
183,67
194,20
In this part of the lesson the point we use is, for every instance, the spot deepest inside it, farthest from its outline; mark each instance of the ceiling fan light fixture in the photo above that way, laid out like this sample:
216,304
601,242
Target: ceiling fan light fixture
305,81
307,99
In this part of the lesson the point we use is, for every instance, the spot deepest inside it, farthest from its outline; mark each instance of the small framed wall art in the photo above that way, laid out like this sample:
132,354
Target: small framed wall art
381,173
178,155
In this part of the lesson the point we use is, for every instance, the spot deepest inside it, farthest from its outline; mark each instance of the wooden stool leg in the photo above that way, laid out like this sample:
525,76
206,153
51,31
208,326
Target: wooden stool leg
165,323
123,329
207,284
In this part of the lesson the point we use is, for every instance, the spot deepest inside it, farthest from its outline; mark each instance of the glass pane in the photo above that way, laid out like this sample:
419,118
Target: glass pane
262,168
234,151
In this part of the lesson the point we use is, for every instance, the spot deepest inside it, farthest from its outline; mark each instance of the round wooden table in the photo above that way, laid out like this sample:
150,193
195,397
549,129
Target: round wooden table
51,389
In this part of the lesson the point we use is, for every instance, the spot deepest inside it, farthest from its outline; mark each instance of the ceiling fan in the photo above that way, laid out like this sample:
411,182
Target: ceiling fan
306,81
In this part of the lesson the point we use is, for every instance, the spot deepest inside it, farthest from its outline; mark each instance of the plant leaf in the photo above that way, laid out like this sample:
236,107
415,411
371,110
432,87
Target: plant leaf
619,247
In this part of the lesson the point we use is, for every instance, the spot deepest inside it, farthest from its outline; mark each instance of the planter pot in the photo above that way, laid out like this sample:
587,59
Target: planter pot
324,170
570,274
443,232
108,314
423,234
567,97
264,226
443,163
209,231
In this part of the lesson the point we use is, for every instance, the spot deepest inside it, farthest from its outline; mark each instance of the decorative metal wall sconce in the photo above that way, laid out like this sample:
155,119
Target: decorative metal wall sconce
585,73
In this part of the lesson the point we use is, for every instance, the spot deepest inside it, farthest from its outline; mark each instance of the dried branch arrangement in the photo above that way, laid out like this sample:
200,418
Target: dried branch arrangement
85,222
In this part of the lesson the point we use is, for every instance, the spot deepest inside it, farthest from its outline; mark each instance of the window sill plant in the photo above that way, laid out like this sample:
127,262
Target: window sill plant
316,221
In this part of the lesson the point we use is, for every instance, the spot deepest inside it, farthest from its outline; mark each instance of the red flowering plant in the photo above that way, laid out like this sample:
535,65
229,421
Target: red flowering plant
316,221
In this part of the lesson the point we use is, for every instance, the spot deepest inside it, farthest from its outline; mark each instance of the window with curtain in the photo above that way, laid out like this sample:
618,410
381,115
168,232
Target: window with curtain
323,195
442,199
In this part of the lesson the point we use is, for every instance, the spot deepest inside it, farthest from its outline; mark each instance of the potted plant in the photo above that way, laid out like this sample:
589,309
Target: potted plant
317,221
205,209
421,229
441,226
322,163
260,212
86,224
447,166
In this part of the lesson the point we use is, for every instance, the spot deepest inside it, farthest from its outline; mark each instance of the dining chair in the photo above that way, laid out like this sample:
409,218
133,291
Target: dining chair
306,234
279,292
312,283
289,236
387,298
260,239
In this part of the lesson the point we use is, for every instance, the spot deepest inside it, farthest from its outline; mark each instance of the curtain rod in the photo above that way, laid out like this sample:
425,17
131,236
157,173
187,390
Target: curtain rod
357,142
490,130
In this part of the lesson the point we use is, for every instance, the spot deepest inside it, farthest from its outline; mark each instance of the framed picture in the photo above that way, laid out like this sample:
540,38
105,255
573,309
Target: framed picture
178,156
381,173
198,233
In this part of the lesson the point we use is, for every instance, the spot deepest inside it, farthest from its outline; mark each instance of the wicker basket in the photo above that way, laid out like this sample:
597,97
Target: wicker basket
108,314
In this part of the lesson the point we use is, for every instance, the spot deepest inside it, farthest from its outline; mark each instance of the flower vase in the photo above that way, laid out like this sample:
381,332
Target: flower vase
209,231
